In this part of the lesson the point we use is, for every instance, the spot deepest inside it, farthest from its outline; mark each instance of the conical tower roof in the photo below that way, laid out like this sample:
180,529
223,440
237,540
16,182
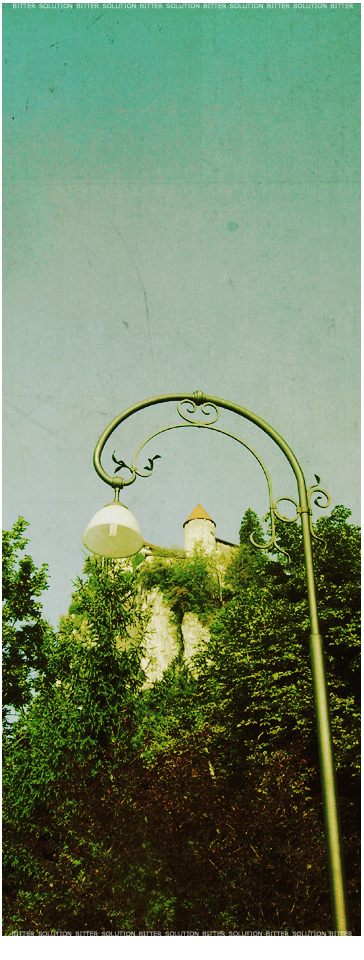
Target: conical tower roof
199,514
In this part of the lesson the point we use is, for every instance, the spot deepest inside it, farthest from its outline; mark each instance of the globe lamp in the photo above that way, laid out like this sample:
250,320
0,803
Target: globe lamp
113,532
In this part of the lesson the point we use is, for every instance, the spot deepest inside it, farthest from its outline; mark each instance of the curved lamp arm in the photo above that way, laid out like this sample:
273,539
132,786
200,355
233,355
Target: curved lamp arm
324,735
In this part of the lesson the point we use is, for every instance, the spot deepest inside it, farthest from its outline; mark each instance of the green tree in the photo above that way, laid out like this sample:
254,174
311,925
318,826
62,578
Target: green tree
187,583
255,672
192,803
250,526
256,665
25,632
61,758
96,660
247,562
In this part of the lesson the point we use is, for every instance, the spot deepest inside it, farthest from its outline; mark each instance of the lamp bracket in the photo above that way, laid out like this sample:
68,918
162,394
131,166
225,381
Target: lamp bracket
187,407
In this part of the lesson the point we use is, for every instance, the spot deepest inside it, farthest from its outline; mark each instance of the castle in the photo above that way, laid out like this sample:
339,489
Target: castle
163,639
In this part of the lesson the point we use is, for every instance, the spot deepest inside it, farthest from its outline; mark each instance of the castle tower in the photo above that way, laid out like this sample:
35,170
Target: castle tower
199,531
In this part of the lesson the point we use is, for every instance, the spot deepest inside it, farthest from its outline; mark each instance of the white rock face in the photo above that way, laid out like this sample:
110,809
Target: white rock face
161,637
162,642
193,633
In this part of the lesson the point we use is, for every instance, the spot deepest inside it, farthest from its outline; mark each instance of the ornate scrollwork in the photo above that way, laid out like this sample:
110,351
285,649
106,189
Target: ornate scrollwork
281,516
274,513
273,539
211,415
316,489
133,470
191,409
121,465
157,456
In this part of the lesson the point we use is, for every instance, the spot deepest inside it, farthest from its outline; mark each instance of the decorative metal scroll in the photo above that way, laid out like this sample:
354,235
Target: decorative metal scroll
186,410
316,489
207,413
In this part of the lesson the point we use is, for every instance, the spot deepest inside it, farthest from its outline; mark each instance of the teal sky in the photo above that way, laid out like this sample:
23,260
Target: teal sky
181,212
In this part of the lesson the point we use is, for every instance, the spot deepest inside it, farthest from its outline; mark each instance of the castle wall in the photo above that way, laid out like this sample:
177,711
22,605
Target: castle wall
199,534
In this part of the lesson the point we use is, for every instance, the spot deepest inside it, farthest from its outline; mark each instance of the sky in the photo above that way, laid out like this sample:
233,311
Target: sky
181,213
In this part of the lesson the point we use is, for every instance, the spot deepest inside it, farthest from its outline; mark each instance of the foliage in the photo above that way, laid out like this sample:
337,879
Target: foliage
256,667
250,527
24,630
170,847
61,754
255,672
247,562
187,583
169,713
194,803
94,664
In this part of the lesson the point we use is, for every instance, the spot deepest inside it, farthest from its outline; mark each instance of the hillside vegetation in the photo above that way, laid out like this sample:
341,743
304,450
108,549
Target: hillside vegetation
192,804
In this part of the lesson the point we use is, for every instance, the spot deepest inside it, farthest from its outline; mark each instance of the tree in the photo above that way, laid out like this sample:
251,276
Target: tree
192,803
96,662
247,562
257,660
255,672
64,754
250,526
25,632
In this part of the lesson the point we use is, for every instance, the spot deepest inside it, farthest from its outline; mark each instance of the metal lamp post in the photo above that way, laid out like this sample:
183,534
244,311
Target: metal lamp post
114,532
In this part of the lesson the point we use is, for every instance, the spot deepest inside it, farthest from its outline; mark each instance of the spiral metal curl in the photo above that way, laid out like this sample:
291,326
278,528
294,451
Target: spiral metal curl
274,513
191,409
209,409
273,539
281,516
320,493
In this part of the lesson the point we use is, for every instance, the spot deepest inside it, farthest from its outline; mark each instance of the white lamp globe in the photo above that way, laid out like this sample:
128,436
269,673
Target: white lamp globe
113,532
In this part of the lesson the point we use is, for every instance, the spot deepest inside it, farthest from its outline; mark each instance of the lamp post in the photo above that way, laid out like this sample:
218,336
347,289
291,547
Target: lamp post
114,532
